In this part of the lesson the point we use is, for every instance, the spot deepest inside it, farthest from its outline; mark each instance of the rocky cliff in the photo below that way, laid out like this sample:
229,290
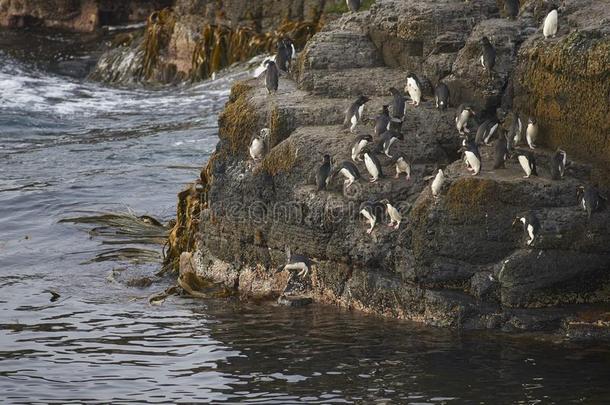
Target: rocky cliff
457,260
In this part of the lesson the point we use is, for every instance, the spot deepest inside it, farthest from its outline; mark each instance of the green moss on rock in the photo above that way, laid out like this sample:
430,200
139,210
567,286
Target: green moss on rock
238,121
565,85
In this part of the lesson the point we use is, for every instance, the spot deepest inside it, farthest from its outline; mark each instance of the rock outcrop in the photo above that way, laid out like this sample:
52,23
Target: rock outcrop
457,260
76,15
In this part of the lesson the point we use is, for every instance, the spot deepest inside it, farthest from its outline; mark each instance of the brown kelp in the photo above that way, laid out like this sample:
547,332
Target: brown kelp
220,46
159,30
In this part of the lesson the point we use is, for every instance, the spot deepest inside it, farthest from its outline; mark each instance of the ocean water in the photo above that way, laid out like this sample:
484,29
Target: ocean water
71,148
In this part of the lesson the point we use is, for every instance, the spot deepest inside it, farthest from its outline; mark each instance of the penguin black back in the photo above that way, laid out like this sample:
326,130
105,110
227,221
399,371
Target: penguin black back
511,8
271,76
441,92
353,5
398,103
323,173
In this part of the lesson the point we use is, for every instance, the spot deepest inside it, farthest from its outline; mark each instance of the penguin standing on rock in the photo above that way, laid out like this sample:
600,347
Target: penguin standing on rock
296,262
398,103
271,76
441,95
393,213
414,89
359,144
528,163
531,226
511,8
559,161
323,173
461,120
258,144
472,156
589,199
372,211
437,184
353,5
387,140
373,166
501,152
353,115
549,29
402,166
284,55
516,129
348,170
488,56
382,121
486,132
531,133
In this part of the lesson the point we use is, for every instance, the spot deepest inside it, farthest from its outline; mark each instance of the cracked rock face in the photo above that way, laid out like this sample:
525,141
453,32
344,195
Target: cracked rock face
456,260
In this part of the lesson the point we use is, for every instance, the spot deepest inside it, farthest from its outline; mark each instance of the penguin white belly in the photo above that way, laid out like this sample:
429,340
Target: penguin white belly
296,266
403,167
357,149
346,173
394,214
530,232
371,167
473,161
360,111
372,220
413,90
256,149
525,164
294,52
387,145
462,120
354,121
550,24
482,61
530,134
491,133
436,184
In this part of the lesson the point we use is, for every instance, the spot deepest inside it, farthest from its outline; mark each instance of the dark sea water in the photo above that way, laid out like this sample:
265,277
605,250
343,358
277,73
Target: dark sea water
70,148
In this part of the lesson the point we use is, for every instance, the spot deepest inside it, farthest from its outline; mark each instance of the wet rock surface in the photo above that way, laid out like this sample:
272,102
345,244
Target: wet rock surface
457,260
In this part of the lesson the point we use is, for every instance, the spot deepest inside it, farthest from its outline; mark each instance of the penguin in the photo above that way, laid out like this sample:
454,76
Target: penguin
393,213
528,163
353,5
486,132
271,76
348,170
323,173
441,94
382,121
387,140
373,166
589,199
511,8
462,117
258,144
413,88
516,129
360,142
283,55
354,113
472,156
488,56
402,166
501,152
531,133
372,211
549,28
561,160
395,125
296,262
437,184
531,226
398,103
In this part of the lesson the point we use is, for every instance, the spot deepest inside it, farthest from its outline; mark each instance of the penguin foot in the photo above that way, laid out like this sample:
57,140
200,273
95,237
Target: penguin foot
408,178
372,180
526,177
368,232
303,273
397,176
397,225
